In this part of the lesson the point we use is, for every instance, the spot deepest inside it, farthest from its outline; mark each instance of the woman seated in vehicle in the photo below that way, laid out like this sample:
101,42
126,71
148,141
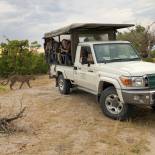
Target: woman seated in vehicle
66,51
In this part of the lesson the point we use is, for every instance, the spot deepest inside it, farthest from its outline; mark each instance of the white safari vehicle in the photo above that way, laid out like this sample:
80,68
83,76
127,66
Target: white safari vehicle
98,64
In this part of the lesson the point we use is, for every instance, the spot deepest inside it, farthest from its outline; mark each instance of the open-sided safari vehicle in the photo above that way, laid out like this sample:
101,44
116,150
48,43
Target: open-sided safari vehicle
77,33
88,57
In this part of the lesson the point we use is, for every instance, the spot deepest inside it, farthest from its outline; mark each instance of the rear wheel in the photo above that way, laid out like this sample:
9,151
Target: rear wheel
64,85
112,106
153,107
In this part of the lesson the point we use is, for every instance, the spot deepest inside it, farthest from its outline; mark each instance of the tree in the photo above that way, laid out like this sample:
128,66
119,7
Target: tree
14,47
13,52
136,36
18,58
140,37
34,46
151,37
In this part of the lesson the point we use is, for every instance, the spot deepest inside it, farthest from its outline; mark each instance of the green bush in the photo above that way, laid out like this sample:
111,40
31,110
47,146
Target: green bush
149,60
153,54
20,57
27,63
40,66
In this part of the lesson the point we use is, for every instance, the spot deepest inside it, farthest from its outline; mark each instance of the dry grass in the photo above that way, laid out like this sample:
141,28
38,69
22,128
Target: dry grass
72,125
3,90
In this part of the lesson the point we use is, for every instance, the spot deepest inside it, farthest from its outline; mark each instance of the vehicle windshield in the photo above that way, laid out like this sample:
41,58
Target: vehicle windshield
115,52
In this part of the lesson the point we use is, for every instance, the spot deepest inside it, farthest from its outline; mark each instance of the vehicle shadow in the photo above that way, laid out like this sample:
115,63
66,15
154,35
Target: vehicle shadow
84,95
141,116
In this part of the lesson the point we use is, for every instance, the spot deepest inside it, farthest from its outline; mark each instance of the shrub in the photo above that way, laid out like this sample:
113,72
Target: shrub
153,54
18,57
28,63
149,60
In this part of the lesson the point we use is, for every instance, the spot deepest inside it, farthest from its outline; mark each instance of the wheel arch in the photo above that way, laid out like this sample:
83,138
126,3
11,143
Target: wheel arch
61,72
108,82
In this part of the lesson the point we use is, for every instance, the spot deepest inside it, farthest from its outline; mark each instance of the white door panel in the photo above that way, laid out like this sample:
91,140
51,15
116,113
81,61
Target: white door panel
86,77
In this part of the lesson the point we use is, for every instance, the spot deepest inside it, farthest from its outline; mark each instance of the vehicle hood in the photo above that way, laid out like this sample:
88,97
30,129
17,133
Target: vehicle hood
133,68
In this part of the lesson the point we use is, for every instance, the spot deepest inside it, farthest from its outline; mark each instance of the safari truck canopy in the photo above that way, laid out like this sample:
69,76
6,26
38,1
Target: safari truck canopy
88,31
85,27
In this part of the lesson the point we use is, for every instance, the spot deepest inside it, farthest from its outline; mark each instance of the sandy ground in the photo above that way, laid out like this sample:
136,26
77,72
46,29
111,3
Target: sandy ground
54,124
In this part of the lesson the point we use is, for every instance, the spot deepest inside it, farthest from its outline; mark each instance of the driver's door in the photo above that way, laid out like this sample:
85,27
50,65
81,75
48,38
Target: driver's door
85,74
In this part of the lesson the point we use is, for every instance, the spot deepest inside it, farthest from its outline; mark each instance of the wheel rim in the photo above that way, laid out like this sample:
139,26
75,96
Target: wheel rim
113,104
61,84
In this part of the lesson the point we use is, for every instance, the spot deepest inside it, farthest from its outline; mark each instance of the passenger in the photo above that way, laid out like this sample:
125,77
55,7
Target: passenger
84,56
55,51
66,51
47,48
51,48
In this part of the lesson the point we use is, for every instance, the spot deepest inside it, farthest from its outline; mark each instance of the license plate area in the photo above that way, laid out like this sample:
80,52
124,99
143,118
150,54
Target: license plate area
153,98
151,81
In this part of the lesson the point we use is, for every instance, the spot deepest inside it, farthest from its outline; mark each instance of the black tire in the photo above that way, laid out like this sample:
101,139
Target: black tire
110,95
153,107
64,85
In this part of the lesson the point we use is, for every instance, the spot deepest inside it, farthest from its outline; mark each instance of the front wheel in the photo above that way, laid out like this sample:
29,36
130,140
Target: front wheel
112,106
153,107
64,85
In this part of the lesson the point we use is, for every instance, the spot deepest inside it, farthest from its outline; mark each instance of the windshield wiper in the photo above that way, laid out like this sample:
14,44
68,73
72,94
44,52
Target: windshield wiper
133,59
119,60
115,60
128,59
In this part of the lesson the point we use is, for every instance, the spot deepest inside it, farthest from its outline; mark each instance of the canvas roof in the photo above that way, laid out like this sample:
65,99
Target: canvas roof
85,26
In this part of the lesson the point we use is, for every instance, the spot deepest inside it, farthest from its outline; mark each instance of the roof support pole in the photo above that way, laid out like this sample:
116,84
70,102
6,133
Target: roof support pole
74,43
59,38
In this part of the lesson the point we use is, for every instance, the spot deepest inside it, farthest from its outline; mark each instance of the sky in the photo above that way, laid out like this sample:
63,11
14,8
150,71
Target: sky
30,19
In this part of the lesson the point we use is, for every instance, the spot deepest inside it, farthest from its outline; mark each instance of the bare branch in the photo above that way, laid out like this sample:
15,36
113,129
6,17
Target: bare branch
4,122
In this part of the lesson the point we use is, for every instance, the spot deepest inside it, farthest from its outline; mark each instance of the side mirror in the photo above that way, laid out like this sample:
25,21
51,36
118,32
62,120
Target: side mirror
144,55
84,61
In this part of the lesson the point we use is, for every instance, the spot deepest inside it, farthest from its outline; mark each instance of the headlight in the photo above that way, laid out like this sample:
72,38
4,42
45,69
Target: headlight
138,82
133,81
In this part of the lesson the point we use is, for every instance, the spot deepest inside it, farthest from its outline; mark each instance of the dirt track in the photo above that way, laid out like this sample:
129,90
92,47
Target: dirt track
71,125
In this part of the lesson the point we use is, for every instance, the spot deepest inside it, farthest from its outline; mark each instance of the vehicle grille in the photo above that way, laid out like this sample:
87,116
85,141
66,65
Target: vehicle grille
151,80
153,96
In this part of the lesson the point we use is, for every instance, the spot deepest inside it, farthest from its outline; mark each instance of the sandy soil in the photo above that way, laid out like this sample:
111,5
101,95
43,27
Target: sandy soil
54,124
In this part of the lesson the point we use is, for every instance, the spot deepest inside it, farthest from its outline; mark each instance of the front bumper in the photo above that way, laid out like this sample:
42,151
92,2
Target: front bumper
146,97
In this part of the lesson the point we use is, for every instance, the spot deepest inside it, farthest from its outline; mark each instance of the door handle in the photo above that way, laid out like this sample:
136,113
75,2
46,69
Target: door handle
75,68
90,70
